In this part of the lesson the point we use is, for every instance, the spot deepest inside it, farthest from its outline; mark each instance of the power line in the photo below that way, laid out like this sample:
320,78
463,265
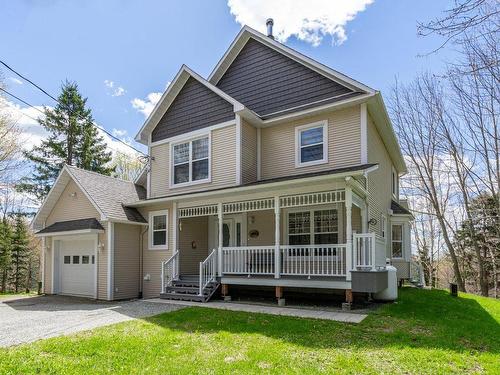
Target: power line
27,80
57,101
93,123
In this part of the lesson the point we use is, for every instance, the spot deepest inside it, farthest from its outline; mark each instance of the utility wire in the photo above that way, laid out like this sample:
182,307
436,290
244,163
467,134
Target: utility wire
57,101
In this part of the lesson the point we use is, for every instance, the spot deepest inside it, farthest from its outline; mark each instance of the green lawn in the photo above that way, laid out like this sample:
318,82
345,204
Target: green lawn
12,294
425,332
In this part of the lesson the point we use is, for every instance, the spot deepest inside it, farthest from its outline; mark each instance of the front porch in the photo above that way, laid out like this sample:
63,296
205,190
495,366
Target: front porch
305,240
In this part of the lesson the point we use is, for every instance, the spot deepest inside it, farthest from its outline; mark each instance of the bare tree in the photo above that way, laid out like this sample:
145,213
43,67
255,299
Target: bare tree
417,112
10,148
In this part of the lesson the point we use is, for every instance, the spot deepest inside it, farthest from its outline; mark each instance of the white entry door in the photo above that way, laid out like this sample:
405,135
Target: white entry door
77,267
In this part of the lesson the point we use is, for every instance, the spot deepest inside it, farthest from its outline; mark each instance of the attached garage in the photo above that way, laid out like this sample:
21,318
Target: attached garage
74,252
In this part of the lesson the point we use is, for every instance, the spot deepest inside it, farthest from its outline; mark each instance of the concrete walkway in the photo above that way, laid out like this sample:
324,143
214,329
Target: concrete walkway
339,316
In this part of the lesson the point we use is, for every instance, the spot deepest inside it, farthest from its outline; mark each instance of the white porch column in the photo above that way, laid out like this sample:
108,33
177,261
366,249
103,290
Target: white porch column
221,237
175,236
277,234
348,231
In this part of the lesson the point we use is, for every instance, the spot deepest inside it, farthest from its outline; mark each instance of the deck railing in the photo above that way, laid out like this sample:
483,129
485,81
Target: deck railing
248,260
208,271
368,250
169,269
313,260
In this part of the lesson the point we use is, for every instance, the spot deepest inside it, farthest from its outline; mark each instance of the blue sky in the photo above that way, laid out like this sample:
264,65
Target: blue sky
140,45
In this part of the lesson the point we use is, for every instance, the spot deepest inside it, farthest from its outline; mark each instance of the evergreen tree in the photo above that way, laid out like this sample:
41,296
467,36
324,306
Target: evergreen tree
20,254
72,140
5,251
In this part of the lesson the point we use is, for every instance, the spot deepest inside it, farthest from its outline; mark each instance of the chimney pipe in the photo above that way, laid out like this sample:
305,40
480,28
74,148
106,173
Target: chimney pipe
269,24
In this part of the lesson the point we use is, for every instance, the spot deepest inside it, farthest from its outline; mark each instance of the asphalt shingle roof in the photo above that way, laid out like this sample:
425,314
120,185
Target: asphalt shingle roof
398,209
111,194
80,224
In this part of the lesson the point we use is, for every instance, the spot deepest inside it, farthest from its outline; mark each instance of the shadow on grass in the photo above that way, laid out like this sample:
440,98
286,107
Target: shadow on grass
420,319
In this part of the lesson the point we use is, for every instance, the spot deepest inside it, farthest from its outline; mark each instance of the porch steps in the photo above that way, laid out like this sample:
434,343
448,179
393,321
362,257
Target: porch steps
187,289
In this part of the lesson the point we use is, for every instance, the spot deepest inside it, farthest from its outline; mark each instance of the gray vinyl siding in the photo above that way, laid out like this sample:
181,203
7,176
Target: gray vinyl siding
126,261
267,81
195,107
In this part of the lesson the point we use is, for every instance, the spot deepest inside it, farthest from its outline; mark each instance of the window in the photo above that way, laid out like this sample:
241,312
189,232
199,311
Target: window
191,161
311,144
76,259
85,259
93,259
383,225
397,240
67,259
325,228
394,183
158,238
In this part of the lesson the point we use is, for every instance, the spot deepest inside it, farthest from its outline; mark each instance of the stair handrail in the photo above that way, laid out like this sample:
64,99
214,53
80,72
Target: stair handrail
169,270
208,269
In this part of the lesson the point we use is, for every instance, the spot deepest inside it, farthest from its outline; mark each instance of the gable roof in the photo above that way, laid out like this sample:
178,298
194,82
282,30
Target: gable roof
270,83
171,93
73,225
107,194
246,33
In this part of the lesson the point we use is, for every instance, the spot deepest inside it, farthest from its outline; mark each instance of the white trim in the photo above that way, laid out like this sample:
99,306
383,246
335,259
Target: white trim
149,166
42,262
53,261
172,145
96,275
69,232
179,80
259,154
253,188
298,130
383,226
194,133
175,226
247,32
150,231
238,149
364,133
110,268
394,183
121,221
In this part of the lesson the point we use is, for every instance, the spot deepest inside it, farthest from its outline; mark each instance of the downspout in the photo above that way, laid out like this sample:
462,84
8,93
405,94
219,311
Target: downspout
141,278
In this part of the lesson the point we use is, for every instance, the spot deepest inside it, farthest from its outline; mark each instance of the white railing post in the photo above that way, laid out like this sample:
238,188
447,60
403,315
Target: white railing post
372,249
348,232
221,237
201,279
163,277
277,235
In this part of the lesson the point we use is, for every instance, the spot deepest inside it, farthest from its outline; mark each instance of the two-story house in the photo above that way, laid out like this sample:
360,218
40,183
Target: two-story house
275,171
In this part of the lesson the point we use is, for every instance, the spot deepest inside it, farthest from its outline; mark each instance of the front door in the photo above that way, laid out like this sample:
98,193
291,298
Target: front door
232,232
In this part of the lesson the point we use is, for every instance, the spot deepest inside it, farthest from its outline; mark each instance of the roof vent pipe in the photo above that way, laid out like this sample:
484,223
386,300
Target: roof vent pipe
269,24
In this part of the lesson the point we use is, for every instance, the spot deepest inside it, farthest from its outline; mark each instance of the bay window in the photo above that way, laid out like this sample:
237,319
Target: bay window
191,161
397,241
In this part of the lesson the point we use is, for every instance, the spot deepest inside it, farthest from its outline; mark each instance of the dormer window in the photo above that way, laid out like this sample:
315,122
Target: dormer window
191,161
311,142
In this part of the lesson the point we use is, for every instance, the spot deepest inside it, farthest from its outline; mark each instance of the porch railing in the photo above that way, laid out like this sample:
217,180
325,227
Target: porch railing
208,271
169,269
248,260
313,260
368,250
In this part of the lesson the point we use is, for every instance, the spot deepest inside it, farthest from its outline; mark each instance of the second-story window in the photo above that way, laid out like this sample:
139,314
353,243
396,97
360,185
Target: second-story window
191,161
311,144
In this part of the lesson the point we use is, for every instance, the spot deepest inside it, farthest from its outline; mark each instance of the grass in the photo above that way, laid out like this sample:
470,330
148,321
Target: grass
424,332
13,294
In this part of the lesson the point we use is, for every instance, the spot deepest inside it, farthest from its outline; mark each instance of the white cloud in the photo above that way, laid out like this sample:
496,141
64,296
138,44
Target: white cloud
146,106
120,133
114,90
32,133
15,80
309,20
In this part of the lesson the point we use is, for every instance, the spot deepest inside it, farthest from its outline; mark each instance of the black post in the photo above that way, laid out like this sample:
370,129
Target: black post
39,288
454,290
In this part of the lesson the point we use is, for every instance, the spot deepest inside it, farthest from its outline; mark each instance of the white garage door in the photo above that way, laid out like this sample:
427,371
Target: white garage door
77,267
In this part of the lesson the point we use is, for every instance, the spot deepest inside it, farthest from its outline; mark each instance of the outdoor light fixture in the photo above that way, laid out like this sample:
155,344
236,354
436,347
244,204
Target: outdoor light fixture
372,221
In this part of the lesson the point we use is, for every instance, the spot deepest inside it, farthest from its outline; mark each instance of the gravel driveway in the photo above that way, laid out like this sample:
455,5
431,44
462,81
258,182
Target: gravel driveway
33,318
